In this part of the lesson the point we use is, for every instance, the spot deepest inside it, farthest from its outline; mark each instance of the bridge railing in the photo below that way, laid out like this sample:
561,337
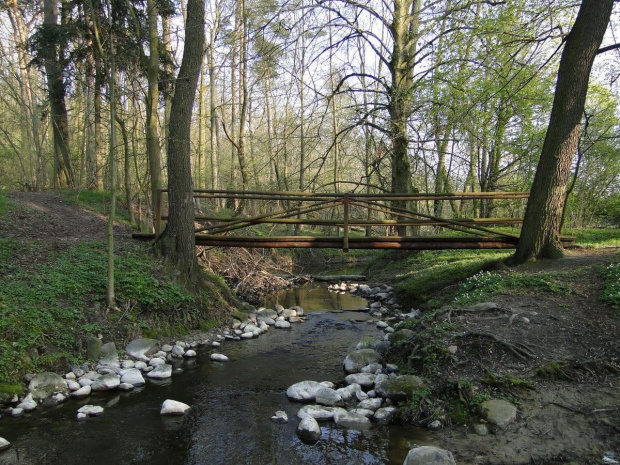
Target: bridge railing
346,211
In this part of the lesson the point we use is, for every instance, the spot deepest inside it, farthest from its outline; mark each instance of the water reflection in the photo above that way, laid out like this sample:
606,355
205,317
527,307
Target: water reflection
315,297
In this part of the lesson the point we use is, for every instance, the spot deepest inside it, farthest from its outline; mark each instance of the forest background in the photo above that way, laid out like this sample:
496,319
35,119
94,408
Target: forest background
304,95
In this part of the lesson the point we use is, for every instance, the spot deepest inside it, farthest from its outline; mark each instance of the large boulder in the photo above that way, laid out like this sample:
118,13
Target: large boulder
140,348
309,429
43,385
428,455
304,391
358,359
109,355
399,388
498,412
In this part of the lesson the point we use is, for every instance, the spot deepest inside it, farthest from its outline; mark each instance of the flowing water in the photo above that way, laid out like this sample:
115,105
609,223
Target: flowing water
229,422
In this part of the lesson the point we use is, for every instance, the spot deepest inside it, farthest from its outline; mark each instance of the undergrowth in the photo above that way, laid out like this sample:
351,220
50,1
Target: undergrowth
611,285
54,297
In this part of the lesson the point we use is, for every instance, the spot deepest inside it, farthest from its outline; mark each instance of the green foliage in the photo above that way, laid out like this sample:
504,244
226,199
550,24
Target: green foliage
4,203
463,400
425,272
594,238
611,285
484,285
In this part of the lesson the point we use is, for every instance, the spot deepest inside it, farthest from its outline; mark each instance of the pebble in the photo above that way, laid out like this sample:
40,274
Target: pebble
173,407
219,358
280,417
4,444
190,354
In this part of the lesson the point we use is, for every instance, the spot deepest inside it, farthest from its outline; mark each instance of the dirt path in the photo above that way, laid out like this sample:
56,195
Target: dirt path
572,414
46,216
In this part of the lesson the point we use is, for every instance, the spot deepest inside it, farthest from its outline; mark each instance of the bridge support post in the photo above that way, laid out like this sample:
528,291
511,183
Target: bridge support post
345,226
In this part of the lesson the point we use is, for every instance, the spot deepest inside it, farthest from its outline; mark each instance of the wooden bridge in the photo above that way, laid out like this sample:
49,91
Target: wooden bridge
356,221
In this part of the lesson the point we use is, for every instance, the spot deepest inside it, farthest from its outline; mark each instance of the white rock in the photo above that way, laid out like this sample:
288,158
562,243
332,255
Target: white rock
280,417
382,324
128,364
352,420
91,410
70,375
309,429
248,335
82,416
17,412
106,383
216,344
141,348
219,358
155,361
384,415
133,376
282,324
4,444
166,348
178,351
363,379
428,455
82,392
125,387
361,395
73,385
364,412
140,365
28,404
319,412
370,404
190,354
328,384
329,397
160,372
304,391
173,407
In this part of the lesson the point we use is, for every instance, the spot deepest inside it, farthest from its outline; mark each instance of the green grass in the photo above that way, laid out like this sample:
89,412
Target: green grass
52,297
420,274
611,284
485,285
593,238
4,203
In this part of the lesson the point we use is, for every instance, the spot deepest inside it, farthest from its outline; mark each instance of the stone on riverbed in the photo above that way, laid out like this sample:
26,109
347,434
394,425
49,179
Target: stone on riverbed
219,358
282,324
43,385
109,355
304,391
352,421
82,392
399,388
139,348
173,407
329,397
4,444
160,372
28,404
106,383
363,379
133,376
91,410
178,351
363,411
280,417
428,455
358,359
319,412
190,354
126,387
371,404
309,429
498,412
384,415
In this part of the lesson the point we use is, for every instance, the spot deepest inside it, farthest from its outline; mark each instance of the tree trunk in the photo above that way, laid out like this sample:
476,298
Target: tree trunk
178,243
152,103
56,91
540,235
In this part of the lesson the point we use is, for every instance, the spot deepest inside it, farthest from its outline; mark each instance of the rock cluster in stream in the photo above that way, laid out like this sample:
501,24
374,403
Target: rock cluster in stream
144,359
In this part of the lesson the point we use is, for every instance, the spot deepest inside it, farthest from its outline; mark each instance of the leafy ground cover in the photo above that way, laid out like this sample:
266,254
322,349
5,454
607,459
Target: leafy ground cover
54,275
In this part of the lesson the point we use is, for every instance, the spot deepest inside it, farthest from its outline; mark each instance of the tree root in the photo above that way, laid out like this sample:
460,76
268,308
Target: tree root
520,350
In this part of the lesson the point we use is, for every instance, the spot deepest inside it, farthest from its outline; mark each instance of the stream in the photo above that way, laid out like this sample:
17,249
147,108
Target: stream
229,422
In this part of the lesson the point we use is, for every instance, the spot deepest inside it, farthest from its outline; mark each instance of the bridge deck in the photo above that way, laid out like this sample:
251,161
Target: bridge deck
385,242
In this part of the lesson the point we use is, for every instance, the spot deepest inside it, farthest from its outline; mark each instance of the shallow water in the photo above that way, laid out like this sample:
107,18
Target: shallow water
232,403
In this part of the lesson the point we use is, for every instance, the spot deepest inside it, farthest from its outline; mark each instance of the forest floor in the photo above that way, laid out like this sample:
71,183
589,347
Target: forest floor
548,344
